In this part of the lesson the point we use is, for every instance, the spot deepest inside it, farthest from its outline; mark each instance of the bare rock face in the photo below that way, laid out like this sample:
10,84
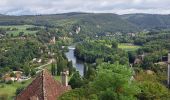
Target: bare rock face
78,30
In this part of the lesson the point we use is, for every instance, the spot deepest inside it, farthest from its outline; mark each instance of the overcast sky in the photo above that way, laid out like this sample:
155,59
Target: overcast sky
27,7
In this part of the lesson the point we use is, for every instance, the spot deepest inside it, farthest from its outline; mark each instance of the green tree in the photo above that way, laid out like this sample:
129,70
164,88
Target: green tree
113,82
61,65
26,70
70,67
153,91
33,72
132,56
53,69
99,61
76,81
114,44
85,70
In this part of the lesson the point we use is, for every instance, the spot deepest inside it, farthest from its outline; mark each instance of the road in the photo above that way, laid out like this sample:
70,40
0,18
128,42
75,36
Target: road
40,68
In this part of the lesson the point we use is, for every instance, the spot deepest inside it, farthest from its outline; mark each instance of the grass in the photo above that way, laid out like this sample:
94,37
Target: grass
21,28
9,90
128,47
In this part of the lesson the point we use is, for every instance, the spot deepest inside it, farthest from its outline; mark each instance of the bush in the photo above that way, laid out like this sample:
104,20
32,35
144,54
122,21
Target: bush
23,82
19,90
9,82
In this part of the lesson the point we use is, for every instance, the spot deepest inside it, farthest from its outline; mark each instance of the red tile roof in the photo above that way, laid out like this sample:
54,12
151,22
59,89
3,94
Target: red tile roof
43,87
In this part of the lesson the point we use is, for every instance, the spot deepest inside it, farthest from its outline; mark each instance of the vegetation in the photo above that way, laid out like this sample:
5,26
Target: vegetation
120,61
9,90
112,82
91,51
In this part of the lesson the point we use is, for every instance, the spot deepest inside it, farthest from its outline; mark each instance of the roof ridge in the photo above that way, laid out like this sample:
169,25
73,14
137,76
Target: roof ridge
43,85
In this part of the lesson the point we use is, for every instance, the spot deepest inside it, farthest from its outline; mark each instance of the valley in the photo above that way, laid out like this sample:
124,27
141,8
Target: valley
108,56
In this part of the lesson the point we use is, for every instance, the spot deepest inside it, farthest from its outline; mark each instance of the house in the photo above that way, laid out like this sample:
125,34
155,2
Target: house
16,77
45,87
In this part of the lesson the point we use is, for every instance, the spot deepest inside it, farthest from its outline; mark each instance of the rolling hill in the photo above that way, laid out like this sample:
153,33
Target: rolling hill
148,21
92,22
89,22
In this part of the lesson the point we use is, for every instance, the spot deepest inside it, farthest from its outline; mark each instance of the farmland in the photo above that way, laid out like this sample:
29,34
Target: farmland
128,47
16,29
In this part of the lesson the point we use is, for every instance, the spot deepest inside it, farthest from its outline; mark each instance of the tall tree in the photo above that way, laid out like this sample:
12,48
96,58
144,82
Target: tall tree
53,69
70,67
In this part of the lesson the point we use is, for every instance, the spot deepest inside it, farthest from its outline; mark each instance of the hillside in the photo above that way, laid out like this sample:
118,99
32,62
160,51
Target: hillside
89,22
92,22
148,21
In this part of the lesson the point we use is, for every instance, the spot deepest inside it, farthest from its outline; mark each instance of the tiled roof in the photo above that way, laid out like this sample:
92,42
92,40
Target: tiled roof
43,87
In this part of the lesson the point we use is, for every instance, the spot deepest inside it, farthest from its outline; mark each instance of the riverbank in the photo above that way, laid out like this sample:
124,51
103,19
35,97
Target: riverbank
79,65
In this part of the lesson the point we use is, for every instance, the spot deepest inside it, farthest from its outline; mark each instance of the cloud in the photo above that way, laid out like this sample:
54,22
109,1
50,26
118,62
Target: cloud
27,7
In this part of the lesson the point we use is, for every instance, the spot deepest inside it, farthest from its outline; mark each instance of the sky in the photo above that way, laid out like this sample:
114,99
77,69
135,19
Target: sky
34,7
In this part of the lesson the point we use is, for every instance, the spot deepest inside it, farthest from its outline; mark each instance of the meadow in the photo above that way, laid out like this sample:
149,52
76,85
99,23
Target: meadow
8,90
128,46
19,28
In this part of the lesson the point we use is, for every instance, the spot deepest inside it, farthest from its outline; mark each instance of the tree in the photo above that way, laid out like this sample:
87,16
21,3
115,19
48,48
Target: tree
124,61
132,56
99,61
153,91
91,73
70,67
33,72
85,70
113,82
61,65
76,81
12,75
26,70
21,33
53,69
114,44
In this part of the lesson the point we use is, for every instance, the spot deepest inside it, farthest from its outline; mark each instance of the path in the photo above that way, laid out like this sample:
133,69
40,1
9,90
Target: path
40,68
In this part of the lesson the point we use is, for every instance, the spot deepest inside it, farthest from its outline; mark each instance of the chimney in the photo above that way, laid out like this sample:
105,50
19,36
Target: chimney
168,81
64,77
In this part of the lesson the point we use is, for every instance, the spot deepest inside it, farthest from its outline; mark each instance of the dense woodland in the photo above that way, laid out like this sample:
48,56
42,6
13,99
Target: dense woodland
122,60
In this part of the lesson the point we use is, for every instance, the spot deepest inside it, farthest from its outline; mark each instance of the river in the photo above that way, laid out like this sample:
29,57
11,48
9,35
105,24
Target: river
76,63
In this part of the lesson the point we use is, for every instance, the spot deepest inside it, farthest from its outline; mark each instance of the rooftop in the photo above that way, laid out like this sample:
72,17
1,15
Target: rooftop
43,87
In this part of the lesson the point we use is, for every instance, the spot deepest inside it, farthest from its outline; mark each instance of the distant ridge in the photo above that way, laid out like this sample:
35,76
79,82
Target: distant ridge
93,23
148,21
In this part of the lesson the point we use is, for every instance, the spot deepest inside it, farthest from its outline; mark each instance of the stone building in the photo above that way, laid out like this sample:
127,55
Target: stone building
44,87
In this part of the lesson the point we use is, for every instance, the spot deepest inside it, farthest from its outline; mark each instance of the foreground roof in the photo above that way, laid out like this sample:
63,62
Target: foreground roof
43,87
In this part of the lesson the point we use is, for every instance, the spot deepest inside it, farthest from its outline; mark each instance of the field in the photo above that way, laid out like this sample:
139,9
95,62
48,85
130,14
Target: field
128,47
20,28
8,90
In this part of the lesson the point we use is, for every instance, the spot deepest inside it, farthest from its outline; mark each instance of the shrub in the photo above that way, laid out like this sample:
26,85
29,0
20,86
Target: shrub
9,82
19,90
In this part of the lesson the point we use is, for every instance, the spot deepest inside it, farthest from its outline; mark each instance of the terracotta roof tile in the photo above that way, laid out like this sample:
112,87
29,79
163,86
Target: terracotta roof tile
43,87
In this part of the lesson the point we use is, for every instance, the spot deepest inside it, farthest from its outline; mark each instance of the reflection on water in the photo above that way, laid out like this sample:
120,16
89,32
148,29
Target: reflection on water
76,63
